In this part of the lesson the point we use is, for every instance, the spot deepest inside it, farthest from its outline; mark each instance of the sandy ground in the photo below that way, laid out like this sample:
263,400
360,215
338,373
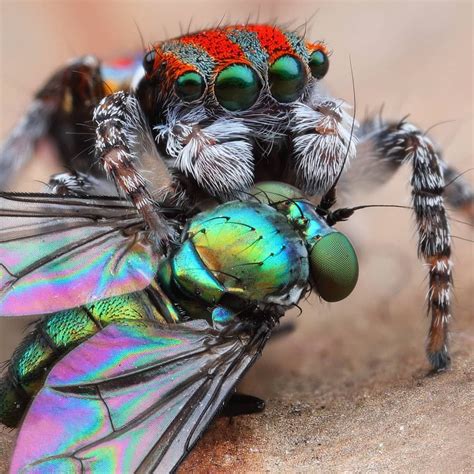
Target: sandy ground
349,390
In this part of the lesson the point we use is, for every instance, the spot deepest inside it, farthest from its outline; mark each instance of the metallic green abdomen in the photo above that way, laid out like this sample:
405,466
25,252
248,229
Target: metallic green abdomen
57,334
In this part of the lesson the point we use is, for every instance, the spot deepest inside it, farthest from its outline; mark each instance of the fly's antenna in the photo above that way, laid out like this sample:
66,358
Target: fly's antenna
462,238
457,177
442,122
329,198
344,213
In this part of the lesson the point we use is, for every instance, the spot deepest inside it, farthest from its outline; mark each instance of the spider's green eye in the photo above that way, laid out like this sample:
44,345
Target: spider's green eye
319,64
237,87
287,78
189,86
334,266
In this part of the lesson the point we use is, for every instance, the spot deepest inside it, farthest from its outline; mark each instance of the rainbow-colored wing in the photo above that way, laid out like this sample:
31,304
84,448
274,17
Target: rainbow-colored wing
60,252
134,398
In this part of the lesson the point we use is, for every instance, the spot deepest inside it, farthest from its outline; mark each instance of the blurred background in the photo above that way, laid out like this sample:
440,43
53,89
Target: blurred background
348,389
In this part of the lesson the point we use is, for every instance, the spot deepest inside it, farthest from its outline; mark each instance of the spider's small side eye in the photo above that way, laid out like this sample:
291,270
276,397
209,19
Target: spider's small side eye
190,86
319,64
149,61
237,87
287,78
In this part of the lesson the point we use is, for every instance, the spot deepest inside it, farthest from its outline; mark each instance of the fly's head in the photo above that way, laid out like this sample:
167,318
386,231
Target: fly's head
333,261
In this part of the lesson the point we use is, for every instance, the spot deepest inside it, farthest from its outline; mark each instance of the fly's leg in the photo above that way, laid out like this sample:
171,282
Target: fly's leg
392,145
240,404
127,152
80,184
64,103
283,329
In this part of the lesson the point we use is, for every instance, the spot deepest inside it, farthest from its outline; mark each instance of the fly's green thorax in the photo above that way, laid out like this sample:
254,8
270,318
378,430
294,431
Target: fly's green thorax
333,261
241,252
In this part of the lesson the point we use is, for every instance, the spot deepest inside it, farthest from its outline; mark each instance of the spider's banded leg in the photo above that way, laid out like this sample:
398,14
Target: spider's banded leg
126,149
321,141
59,108
402,142
380,153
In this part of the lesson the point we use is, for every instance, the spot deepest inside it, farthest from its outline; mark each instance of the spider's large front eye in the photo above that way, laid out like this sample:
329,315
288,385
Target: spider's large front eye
334,266
319,64
190,86
287,78
237,87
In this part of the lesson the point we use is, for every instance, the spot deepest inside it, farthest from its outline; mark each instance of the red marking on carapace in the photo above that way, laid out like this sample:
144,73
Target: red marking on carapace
218,46
174,66
272,40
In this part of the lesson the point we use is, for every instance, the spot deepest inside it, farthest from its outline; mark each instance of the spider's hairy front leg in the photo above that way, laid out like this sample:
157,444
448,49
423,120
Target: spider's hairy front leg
59,108
126,149
321,140
403,142
379,156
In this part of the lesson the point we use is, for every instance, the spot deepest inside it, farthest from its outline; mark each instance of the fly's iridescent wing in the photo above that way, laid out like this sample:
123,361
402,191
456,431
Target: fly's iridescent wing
60,252
134,398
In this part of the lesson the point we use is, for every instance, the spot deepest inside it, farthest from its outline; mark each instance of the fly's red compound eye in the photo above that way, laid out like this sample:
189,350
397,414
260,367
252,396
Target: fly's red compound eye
237,87
190,86
149,61
319,64
287,78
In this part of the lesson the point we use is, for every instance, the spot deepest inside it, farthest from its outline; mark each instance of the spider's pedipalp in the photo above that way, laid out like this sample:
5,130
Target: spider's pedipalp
321,139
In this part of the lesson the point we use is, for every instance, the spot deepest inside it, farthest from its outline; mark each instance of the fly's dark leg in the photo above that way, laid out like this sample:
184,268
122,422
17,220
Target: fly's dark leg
126,150
80,184
60,110
282,330
240,404
402,142
56,335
